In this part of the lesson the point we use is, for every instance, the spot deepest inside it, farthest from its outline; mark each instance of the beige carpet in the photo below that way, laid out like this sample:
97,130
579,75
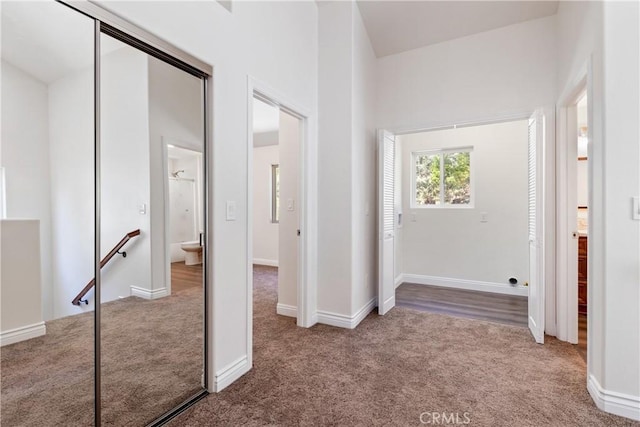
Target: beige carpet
393,368
386,372
152,361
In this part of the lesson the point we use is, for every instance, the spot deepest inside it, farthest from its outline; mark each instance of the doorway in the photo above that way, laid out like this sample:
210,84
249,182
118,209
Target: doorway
276,214
453,230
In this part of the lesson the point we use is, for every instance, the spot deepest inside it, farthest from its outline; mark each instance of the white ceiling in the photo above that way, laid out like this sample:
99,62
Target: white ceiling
47,39
266,118
398,26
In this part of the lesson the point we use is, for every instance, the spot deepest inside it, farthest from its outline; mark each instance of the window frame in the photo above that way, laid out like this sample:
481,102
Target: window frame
441,152
274,194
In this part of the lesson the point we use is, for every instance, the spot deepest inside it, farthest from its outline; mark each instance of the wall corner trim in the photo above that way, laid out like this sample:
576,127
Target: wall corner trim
145,293
624,405
348,322
230,373
471,285
287,310
22,333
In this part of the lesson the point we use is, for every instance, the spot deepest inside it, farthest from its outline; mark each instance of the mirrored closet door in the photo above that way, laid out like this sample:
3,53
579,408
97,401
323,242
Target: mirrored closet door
103,220
47,179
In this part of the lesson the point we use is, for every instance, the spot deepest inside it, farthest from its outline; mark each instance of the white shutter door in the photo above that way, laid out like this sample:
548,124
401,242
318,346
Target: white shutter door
536,284
386,241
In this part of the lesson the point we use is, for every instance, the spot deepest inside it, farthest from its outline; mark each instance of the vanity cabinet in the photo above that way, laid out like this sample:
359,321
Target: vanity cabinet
582,274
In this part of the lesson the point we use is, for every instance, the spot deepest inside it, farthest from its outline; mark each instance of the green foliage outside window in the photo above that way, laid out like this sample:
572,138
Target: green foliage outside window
455,184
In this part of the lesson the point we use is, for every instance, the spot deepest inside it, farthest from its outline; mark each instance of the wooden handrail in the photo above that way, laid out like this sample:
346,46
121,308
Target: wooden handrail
116,249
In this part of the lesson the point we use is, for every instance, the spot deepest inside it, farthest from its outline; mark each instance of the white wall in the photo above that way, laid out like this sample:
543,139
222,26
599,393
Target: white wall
276,43
453,243
265,232
288,259
622,181
607,35
363,171
506,71
335,157
124,158
72,189
175,116
20,281
25,156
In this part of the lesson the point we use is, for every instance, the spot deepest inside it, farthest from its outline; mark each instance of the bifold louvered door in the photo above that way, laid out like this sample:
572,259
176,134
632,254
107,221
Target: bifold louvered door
386,235
536,282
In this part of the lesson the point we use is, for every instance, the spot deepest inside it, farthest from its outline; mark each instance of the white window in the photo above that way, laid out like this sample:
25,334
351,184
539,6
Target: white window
275,193
442,178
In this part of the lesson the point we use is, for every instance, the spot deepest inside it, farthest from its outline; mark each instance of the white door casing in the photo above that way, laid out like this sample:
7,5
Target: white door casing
386,236
536,231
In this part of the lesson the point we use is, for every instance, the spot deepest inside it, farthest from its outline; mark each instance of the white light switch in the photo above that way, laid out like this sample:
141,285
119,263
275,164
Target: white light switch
231,210
636,207
142,209
291,205
484,217
414,217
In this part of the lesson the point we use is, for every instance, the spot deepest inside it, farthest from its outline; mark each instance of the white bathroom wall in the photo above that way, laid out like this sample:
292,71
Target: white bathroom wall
24,153
288,259
191,165
453,243
265,232
175,116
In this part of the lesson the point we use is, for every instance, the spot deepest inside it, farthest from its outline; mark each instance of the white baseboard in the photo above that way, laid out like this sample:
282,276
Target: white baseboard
145,293
342,321
267,262
287,310
624,405
471,285
231,373
399,280
23,333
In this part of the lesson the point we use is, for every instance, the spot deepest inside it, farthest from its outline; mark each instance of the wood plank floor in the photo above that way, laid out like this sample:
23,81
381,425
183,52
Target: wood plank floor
184,277
506,309
582,336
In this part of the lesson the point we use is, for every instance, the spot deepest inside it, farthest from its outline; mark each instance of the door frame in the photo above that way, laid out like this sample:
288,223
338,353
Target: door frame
306,308
166,141
549,189
566,292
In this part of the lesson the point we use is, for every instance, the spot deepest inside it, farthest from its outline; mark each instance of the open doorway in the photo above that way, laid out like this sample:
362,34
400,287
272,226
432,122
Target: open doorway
458,220
184,202
582,223
276,207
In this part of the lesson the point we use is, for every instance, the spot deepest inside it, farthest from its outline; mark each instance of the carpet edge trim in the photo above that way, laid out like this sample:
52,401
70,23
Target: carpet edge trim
624,405
22,333
230,373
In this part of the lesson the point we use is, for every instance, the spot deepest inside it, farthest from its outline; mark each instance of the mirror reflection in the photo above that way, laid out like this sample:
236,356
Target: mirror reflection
151,191
47,210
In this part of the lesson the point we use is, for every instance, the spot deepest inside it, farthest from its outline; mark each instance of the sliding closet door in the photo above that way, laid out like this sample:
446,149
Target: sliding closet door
47,178
151,220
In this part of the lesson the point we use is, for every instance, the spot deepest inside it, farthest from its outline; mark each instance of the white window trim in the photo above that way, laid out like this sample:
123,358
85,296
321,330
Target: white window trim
441,152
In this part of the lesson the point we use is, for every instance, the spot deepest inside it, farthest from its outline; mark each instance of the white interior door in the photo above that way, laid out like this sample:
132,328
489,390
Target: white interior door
536,276
386,237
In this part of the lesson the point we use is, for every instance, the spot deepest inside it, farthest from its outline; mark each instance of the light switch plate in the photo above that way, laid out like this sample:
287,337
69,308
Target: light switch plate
291,205
142,209
484,217
231,210
636,207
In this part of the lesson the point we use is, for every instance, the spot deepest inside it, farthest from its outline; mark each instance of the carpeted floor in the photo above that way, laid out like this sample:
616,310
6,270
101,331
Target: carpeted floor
388,371
151,361
391,369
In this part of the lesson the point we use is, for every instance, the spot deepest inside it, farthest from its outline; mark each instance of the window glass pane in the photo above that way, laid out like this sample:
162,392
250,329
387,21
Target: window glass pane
457,178
428,179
